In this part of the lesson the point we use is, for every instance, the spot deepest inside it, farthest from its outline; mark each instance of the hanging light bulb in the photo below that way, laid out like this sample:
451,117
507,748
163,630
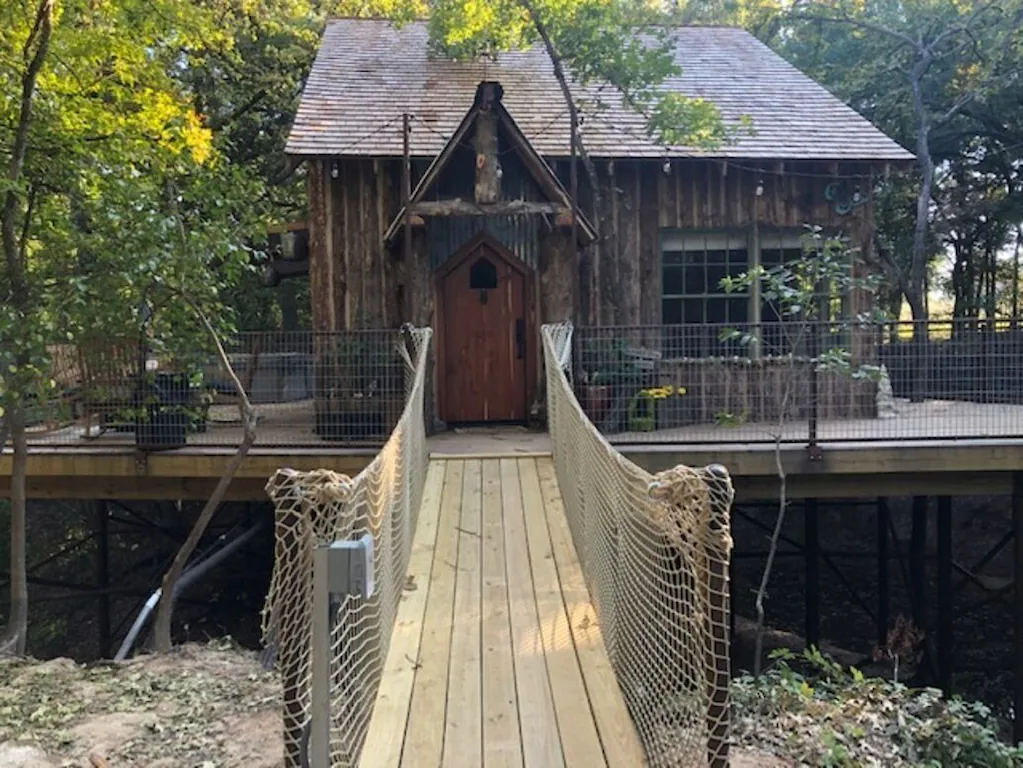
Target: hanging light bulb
666,167
760,188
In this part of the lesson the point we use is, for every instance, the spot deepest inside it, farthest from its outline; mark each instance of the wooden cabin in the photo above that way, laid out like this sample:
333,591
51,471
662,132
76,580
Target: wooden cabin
441,194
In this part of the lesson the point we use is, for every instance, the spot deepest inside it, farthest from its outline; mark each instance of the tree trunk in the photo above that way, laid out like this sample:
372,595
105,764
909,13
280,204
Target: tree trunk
16,633
589,268
165,612
916,284
35,50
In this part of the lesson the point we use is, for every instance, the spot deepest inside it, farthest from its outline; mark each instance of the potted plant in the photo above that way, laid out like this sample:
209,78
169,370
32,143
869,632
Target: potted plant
172,407
657,408
601,361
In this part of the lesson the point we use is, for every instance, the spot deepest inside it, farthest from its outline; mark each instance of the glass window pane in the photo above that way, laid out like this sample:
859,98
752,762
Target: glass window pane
483,275
673,283
717,310
715,274
695,279
671,311
738,310
693,312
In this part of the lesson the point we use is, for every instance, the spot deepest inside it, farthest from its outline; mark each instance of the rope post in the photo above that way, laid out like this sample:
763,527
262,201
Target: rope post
284,626
718,666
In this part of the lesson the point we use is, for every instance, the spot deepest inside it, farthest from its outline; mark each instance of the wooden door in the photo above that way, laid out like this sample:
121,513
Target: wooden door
483,310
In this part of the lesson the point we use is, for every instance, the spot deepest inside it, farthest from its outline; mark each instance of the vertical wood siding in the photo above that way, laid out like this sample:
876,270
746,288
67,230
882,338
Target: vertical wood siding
358,282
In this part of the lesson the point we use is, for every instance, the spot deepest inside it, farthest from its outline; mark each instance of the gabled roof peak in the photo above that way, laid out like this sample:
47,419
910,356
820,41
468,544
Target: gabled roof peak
488,100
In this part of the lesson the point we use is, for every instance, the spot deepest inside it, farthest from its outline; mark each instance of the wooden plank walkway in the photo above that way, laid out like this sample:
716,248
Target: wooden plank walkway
496,658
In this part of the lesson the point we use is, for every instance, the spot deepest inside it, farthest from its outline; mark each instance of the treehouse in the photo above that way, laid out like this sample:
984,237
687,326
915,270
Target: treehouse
446,193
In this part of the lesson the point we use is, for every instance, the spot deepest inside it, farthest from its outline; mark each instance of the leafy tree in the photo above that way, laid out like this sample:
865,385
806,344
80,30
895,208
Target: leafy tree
926,71
116,194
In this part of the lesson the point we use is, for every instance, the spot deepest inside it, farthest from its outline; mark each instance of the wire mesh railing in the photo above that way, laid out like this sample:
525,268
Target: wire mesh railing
307,388
654,550
802,382
331,660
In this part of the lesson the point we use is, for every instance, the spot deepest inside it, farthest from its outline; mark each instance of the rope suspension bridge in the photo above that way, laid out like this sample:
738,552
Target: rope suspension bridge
568,609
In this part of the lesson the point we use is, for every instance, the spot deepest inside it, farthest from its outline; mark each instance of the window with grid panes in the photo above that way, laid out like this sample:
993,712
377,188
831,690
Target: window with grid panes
781,247
692,267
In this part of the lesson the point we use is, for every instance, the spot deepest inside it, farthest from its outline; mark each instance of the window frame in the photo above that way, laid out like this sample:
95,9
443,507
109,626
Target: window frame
682,241
756,239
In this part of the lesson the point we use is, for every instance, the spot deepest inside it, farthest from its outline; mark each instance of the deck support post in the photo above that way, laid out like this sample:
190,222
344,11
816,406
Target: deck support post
811,551
103,577
945,594
883,578
1017,529
918,562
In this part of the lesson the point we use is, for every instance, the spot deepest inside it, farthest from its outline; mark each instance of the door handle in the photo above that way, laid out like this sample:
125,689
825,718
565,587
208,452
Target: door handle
520,337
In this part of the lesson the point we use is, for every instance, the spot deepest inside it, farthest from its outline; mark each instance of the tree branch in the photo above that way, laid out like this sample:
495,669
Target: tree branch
867,25
573,112
162,625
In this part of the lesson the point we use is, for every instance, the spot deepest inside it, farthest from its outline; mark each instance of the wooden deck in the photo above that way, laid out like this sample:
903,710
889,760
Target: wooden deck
929,420
496,657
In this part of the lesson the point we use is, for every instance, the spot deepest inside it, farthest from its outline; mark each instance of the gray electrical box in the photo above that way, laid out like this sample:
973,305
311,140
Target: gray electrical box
350,567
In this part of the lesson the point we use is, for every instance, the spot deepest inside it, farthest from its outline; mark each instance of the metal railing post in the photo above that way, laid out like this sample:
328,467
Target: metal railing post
811,428
340,569
718,619
319,715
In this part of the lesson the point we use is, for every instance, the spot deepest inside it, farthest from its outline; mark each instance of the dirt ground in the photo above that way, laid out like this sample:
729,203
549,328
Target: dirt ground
202,706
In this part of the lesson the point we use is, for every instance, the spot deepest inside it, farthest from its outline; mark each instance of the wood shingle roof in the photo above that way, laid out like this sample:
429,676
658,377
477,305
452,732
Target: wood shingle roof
367,73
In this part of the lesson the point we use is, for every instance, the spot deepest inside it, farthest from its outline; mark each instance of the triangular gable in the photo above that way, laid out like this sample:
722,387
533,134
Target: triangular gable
540,172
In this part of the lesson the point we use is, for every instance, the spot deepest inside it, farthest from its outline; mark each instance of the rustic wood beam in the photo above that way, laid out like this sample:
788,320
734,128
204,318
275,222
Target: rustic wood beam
458,207
488,177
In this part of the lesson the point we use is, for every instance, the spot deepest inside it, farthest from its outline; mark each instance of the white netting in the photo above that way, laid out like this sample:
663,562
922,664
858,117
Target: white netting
316,508
655,551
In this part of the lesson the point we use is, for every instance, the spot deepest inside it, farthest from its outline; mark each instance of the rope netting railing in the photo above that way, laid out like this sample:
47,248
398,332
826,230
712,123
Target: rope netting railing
314,509
654,550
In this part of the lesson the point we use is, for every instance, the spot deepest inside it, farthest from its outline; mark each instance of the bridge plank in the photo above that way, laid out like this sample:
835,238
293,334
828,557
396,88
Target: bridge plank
617,733
390,714
497,660
502,747
579,738
424,735
541,744
463,737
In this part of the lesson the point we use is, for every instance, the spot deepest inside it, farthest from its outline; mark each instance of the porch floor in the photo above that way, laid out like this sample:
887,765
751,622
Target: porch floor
929,420
291,425
496,657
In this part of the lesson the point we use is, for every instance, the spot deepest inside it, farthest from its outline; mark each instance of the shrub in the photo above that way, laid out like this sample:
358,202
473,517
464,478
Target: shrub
812,709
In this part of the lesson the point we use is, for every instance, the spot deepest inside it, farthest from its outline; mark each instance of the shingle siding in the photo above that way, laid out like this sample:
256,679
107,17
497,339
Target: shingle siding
367,73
